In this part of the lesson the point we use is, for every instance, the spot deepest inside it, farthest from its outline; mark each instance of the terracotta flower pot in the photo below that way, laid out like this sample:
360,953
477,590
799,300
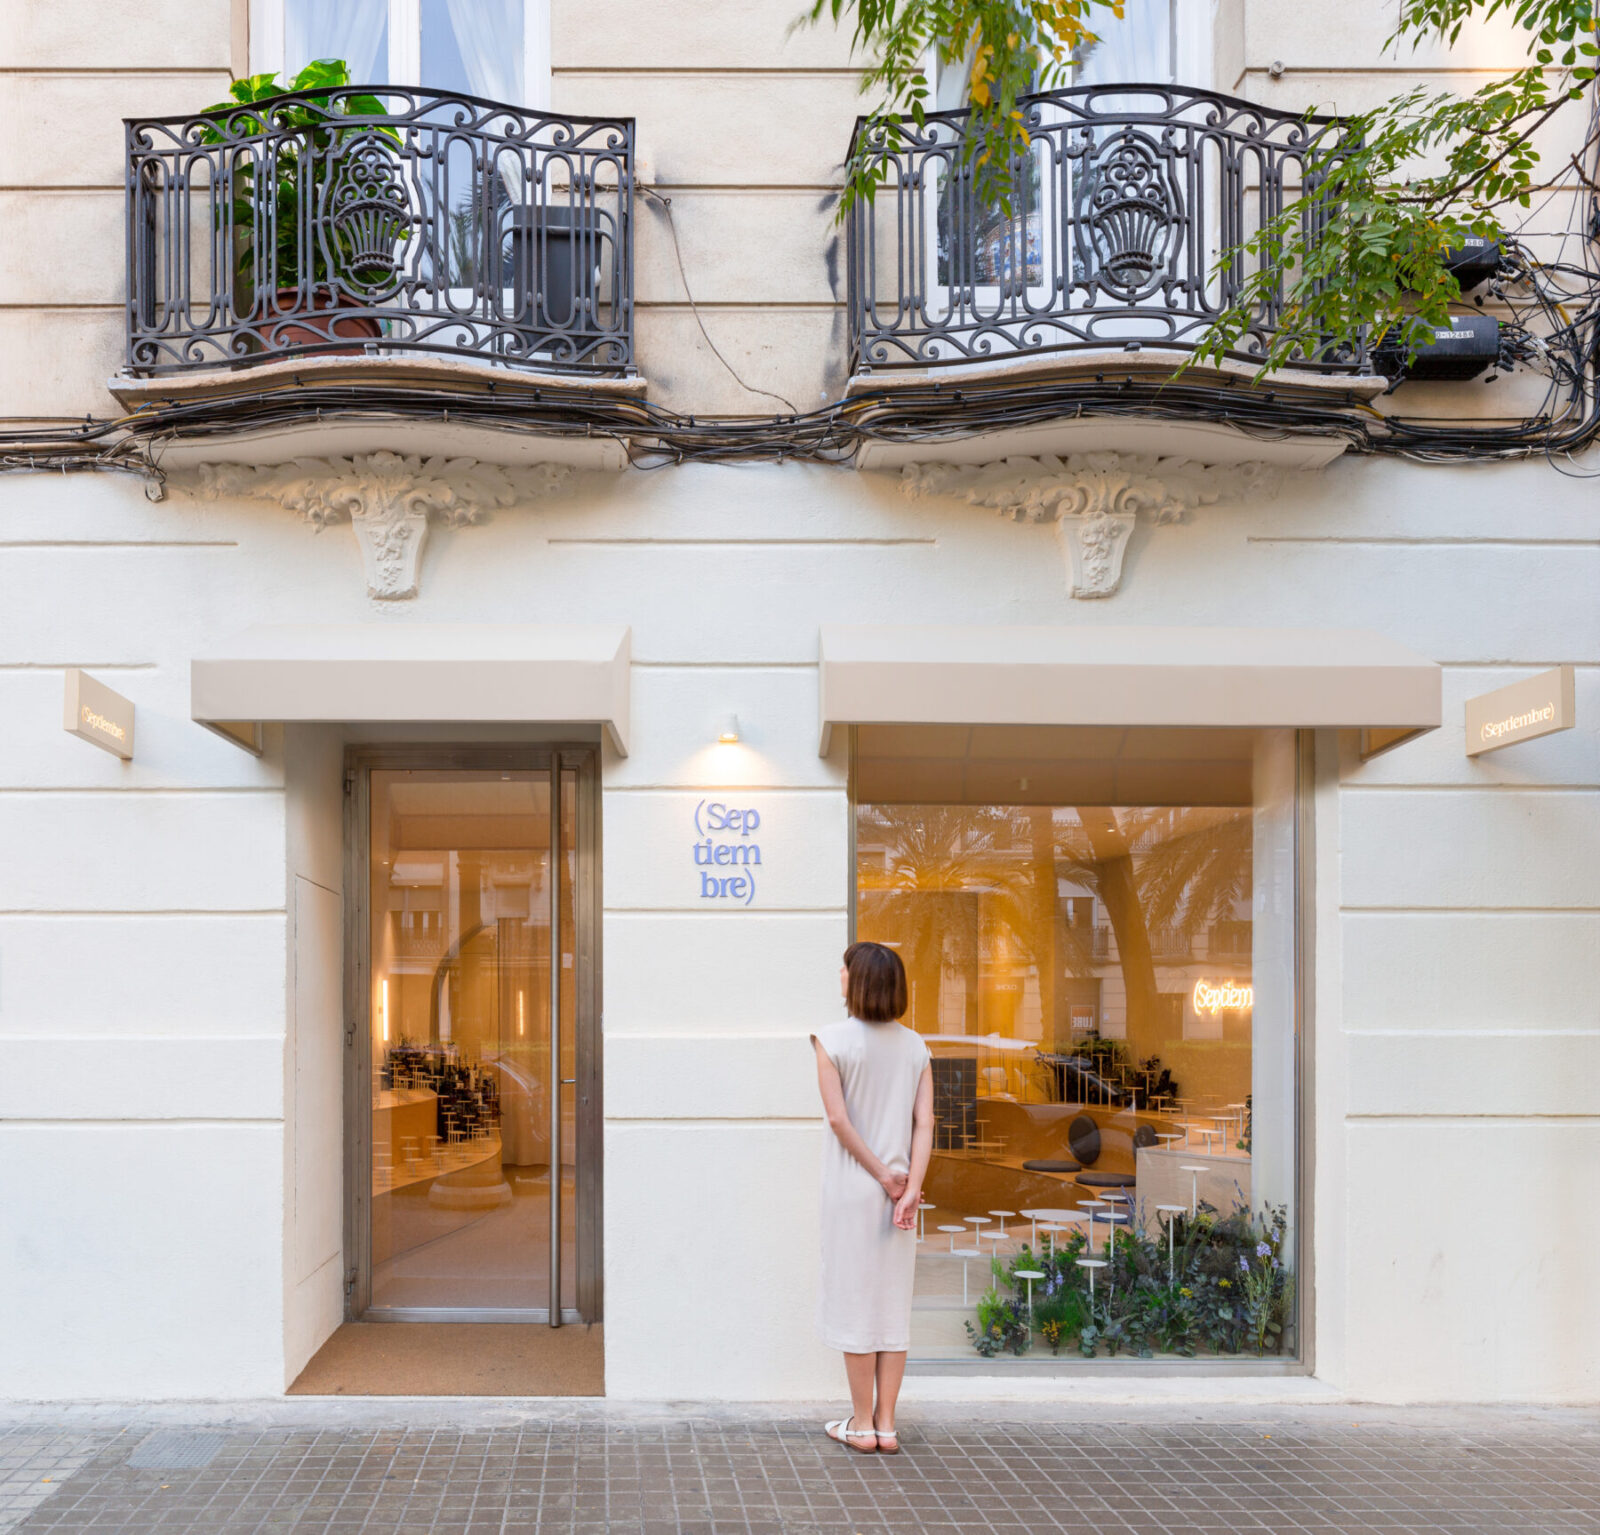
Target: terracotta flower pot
306,331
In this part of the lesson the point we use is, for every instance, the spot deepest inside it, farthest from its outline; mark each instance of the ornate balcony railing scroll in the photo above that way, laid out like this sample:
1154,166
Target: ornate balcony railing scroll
1127,197
445,224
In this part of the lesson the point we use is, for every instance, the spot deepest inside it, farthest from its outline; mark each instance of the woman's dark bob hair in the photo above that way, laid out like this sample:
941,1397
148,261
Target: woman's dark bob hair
877,987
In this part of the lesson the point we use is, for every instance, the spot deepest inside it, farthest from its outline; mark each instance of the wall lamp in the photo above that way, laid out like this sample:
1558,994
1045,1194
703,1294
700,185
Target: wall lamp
728,731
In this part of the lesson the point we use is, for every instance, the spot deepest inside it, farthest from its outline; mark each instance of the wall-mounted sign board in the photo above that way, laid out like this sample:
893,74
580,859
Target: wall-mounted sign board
94,713
1536,706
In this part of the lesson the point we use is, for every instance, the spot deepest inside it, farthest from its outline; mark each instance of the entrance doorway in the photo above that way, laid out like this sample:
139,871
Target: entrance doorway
474,1103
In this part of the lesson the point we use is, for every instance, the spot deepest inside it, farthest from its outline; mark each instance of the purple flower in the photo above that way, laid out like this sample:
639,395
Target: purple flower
1262,1250
1244,1264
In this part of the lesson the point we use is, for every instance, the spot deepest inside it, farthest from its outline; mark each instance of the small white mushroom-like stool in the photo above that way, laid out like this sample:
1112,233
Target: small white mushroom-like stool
1091,1264
1172,1235
1113,1219
1092,1209
954,1231
1194,1192
1051,1215
922,1219
1030,1275
1003,1216
963,1253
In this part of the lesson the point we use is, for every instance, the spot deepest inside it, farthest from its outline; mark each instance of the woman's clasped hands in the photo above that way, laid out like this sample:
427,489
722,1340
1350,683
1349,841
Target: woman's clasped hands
903,1197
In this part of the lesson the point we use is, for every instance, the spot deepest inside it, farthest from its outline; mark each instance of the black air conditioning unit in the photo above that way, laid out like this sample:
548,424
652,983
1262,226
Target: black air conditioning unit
1471,344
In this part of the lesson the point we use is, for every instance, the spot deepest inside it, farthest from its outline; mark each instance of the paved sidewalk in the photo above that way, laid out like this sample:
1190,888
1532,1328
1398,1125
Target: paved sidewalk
405,1468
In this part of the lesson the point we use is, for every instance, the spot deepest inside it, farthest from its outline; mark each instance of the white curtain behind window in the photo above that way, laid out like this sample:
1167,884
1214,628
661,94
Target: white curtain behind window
1136,49
489,35
352,30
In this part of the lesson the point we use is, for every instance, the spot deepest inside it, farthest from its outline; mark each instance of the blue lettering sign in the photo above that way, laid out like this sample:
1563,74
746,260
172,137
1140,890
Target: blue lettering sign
722,841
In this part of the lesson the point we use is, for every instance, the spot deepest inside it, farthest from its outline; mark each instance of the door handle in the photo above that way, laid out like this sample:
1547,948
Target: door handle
569,1081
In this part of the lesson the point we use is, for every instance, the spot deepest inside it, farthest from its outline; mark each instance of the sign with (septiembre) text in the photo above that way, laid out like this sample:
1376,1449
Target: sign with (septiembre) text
96,714
1536,706
727,859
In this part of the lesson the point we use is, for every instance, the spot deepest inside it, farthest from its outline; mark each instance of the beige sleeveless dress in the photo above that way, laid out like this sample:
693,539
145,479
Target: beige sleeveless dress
868,1263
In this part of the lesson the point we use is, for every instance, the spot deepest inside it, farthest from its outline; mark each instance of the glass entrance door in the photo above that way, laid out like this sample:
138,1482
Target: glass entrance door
473,1193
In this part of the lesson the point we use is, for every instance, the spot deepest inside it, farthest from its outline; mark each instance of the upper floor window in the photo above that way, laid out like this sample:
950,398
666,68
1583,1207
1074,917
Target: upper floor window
1155,42
499,49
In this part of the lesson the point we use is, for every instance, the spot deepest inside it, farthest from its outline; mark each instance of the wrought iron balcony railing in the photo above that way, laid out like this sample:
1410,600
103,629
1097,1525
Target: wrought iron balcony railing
1125,200
444,224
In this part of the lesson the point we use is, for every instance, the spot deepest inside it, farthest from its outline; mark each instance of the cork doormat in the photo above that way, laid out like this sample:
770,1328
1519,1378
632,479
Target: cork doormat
456,1359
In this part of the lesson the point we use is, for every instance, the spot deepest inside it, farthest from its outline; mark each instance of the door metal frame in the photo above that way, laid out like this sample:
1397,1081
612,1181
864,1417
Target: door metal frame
582,760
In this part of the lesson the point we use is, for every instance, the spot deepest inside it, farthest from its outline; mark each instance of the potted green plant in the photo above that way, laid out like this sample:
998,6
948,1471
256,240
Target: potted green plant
318,213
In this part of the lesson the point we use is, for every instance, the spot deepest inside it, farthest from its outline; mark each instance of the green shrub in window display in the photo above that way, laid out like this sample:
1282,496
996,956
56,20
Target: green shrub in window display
1230,1290
1060,1318
1000,1326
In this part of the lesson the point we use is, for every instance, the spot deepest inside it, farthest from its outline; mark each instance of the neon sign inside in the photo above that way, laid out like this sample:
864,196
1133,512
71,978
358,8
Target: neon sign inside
1222,997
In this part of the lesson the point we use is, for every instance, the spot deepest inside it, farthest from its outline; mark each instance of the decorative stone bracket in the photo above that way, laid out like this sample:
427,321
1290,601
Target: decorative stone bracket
1094,499
388,499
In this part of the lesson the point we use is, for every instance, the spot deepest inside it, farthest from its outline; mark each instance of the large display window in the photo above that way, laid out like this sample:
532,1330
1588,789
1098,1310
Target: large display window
1099,930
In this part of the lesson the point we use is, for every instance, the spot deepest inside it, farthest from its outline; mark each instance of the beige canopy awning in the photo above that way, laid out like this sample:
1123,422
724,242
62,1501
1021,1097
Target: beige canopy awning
572,674
1093,675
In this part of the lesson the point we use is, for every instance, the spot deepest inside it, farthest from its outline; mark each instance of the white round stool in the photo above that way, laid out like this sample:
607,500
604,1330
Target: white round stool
1172,1235
1030,1275
963,1253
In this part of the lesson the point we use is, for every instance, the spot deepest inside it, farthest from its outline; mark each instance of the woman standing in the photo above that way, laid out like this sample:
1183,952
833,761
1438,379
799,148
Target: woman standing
877,1089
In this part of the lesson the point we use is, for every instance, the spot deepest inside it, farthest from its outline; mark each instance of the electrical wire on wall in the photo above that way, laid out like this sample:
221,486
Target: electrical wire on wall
1549,311
1550,326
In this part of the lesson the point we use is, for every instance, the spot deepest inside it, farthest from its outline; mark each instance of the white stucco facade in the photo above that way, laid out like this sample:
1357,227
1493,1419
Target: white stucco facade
174,1045
171,1000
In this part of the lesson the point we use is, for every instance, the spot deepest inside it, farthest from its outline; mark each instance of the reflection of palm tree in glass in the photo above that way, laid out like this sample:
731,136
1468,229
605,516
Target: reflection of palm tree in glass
477,236
937,862
1158,871
1194,866
980,242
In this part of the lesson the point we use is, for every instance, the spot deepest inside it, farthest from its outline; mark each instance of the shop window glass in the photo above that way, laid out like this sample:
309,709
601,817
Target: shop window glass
1098,928
461,1069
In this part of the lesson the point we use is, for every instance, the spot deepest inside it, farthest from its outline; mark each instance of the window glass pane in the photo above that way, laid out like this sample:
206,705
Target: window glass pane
356,31
1137,48
442,67
1098,933
475,46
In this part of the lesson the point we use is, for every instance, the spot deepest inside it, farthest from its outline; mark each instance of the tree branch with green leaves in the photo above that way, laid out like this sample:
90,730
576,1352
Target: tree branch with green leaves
1360,250
1009,49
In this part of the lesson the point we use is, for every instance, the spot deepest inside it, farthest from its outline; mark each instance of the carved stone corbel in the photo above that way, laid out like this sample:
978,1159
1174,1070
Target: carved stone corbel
388,498
1095,500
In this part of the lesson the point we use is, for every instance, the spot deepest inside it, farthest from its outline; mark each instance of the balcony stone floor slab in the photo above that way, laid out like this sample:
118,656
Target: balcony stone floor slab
433,1468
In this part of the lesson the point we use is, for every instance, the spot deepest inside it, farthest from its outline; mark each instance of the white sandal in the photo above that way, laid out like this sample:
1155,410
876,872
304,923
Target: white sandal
887,1433
842,1433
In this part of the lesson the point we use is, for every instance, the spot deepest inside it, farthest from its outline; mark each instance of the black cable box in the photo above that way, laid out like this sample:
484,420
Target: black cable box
1470,345
1475,260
